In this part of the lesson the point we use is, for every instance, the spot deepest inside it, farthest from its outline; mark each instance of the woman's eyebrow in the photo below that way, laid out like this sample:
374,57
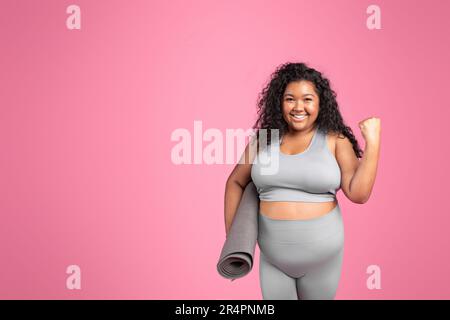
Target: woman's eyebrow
306,94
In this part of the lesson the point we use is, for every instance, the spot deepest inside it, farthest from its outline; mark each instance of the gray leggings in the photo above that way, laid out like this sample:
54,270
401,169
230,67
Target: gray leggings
301,259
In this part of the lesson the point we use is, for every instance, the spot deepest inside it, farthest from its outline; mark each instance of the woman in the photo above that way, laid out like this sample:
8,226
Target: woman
302,155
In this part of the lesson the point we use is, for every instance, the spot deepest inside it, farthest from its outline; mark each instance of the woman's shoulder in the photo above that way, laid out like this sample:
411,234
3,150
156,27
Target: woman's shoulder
333,135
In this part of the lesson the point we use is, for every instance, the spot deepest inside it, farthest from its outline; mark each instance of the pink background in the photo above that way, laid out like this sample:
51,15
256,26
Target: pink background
86,175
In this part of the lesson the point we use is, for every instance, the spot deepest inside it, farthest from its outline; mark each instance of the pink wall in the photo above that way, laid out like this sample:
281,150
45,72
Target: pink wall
86,175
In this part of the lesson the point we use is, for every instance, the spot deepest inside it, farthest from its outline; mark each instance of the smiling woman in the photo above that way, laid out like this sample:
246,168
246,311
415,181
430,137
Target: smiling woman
289,97
300,225
300,106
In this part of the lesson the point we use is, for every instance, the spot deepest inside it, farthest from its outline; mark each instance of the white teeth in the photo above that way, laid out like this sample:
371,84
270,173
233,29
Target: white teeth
299,117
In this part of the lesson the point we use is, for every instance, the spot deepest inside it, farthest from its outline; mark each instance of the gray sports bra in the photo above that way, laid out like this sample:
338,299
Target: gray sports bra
311,176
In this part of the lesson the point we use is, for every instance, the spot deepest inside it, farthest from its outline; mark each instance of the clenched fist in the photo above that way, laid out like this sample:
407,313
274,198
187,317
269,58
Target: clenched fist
370,129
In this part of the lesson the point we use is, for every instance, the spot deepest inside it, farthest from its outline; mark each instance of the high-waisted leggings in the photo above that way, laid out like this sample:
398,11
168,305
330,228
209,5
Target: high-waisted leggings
301,259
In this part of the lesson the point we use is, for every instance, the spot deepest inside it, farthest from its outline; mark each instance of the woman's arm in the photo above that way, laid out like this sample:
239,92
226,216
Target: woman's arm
236,183
363,180
358,176
233,195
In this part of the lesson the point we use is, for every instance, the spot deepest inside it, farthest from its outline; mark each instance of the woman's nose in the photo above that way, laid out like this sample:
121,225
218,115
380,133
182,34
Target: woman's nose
298,107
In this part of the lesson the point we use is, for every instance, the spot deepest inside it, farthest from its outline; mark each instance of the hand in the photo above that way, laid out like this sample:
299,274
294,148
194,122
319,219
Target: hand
370,129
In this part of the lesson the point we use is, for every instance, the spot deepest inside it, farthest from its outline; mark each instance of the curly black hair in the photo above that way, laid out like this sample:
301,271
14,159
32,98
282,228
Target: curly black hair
270,103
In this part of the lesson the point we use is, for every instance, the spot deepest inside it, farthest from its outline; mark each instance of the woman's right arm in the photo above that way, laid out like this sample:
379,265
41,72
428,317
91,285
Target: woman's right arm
236,183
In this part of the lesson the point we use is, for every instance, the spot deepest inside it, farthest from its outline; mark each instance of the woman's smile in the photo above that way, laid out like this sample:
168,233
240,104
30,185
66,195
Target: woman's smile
299,118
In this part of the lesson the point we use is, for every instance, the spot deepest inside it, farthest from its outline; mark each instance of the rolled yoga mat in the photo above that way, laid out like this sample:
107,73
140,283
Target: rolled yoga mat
236,258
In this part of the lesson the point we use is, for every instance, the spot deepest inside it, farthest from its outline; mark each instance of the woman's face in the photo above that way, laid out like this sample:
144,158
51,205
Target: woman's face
301,99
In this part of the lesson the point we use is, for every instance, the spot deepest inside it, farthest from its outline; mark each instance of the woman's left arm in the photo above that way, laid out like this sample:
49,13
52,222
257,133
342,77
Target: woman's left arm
358,176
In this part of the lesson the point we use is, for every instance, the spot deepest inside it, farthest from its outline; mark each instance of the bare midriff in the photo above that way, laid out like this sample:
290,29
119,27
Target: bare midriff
292,210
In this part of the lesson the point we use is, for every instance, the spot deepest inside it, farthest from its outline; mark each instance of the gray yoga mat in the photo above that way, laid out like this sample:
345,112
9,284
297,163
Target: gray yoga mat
236,258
